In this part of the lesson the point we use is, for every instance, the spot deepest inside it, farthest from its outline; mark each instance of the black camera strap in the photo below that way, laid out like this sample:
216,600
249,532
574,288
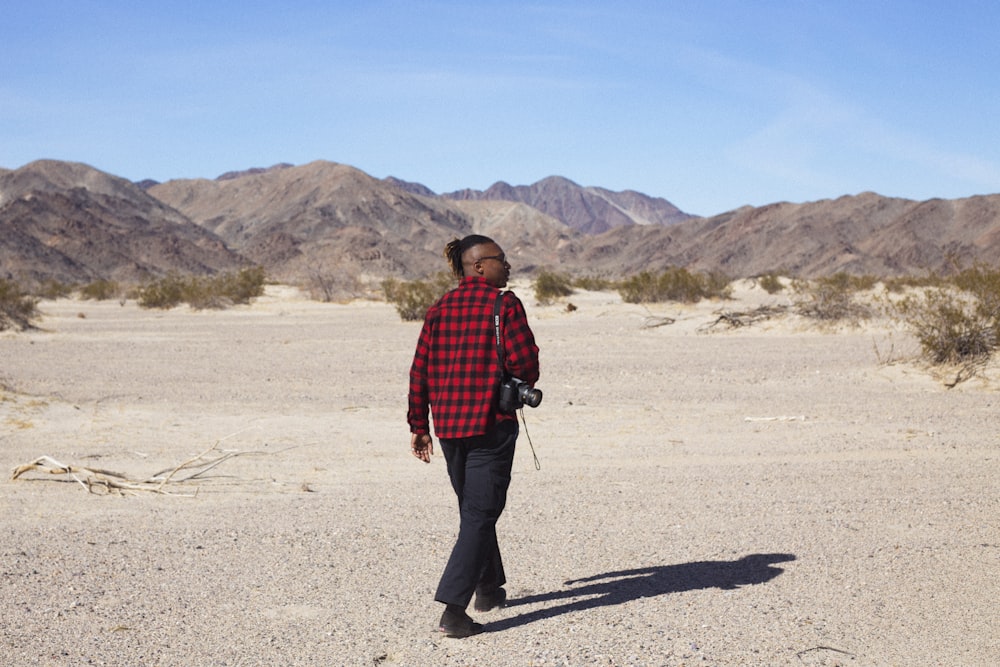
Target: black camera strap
496,328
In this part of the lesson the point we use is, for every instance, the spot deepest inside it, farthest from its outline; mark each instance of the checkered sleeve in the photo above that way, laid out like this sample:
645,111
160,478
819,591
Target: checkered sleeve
520,351
419,400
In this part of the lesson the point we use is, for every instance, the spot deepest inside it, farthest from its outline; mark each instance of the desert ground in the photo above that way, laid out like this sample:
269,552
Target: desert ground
777,494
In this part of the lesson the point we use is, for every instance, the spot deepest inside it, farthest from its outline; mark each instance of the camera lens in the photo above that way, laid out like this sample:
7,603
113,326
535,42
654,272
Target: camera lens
531,397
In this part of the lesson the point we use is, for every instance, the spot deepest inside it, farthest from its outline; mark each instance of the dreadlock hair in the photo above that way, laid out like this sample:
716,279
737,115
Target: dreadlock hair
456,248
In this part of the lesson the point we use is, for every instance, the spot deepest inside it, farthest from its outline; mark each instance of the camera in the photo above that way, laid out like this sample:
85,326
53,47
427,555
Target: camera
515,393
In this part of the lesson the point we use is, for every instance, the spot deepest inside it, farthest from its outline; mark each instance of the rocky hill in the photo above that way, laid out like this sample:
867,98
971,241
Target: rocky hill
72,223
590,210
861,234
328,218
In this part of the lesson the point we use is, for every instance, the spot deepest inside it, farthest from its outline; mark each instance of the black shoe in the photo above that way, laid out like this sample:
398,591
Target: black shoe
459,625
489,601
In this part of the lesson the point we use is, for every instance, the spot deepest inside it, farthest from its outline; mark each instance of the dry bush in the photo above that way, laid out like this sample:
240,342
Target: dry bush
833,298
413,298
950,329
956,323
329,281
17,309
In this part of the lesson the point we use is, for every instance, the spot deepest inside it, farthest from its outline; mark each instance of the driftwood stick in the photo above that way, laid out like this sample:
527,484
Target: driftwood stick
213,463
173,471
822,648
50,465
735,319
652,321
96,480
190,462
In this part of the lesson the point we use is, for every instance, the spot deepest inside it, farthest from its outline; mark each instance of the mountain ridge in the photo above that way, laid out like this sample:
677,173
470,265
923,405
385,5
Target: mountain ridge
71,222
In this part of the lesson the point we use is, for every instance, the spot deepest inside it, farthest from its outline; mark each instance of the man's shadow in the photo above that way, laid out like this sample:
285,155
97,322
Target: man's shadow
611,588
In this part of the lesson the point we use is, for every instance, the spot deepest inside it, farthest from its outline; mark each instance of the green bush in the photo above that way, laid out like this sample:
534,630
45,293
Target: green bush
242,286
53,289
413,298
202,292
594,284
900,284
674,284
770,283
551,286
716,285
166,292
101,290
983,284
17,309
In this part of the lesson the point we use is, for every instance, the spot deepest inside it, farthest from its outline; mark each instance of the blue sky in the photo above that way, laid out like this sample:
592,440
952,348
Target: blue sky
712,104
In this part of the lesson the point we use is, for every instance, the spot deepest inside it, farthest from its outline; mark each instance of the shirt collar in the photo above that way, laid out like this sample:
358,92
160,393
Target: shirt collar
479,280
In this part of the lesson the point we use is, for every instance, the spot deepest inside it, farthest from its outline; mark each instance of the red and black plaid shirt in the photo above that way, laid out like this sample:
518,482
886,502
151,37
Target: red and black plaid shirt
454,371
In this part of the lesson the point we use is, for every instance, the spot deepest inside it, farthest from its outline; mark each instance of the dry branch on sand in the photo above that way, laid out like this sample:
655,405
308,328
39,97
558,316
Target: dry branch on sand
737,319
101,481
653,321
966,371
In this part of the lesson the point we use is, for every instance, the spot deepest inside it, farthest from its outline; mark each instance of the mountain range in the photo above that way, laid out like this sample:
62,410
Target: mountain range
72,223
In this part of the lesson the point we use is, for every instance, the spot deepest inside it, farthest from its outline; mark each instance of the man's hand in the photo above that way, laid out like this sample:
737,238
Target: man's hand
422,446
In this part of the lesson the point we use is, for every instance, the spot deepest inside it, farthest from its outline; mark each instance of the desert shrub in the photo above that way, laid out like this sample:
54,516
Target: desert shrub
674,284
951,326
770,283
167,292
899,284
17,308
862,283
328,281
53,289
983,284
551,286
594,284
242,286
643,287
101,290
202,292
833,298
413,298
717,285
957,319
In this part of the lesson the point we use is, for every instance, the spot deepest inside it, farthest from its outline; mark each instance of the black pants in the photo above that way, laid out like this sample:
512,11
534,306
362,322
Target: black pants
479,468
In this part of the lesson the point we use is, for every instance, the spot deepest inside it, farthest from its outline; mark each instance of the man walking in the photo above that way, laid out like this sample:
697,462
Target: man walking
455,378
